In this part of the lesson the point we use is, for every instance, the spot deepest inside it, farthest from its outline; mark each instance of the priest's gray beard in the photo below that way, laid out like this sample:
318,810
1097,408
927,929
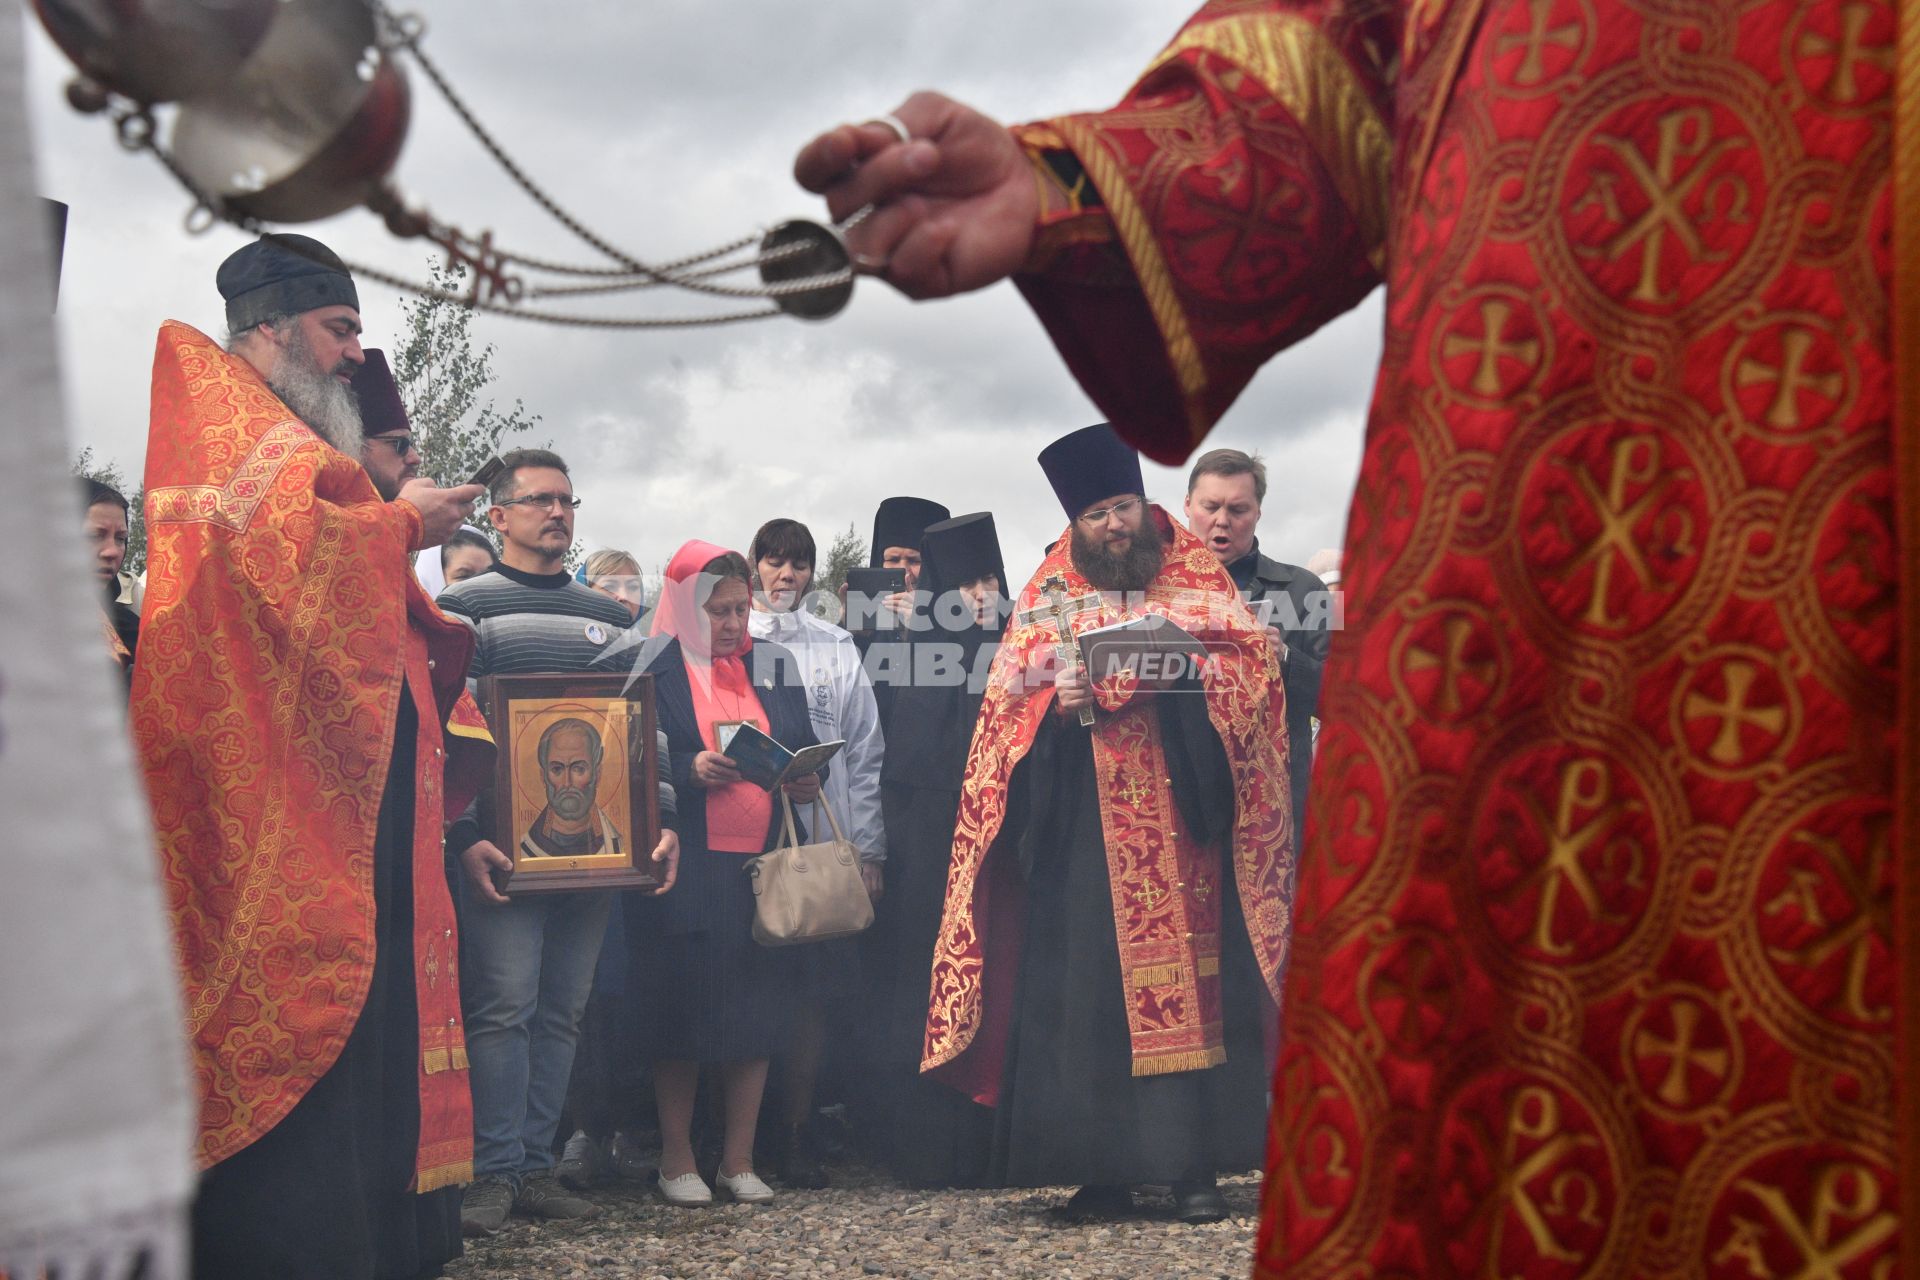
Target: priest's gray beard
321,400
1131,570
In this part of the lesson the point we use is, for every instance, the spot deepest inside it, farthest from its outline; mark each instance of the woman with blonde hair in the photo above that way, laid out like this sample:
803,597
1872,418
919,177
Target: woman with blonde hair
617,574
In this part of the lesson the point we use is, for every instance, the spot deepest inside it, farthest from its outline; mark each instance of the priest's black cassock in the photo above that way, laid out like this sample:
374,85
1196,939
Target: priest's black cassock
1071,1112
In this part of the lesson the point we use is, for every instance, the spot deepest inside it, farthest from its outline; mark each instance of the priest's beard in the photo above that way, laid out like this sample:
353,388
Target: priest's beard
1131,570
321,400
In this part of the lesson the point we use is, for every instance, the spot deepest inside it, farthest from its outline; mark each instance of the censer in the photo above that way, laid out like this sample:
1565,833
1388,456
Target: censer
288,111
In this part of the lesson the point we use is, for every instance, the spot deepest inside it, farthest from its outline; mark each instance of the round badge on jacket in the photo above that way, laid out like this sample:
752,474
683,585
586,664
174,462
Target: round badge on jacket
596,633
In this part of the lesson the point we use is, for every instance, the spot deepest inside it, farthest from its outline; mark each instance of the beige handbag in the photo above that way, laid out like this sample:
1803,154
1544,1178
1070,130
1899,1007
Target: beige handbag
808,892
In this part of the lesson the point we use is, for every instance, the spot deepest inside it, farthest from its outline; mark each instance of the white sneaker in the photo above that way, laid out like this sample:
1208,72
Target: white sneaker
745,1188
689,1190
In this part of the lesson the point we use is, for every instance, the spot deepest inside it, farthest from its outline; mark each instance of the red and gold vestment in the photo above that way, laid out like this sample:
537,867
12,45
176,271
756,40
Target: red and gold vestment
1164,883
282,622
1605,944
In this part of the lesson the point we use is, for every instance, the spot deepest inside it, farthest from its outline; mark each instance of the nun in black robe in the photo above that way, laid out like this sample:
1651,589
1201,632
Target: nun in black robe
933,1135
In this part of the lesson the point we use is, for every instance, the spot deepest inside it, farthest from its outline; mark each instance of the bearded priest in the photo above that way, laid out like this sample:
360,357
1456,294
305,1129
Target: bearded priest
1116,914
300,712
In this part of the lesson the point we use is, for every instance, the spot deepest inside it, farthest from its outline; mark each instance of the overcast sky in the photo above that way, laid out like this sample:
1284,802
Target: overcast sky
669,127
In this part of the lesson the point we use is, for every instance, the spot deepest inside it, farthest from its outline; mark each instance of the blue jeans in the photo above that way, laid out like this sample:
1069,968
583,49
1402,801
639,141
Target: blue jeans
526,969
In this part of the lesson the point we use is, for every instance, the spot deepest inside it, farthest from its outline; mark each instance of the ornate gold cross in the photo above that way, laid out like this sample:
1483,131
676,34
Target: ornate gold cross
1058,613
1135,792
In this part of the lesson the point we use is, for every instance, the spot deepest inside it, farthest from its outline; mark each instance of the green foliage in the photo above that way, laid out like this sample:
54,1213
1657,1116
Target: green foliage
443,376
848,551
108,473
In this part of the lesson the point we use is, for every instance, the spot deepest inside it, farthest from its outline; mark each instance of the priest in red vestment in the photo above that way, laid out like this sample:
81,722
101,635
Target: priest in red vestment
1606,954
300,712
1108,965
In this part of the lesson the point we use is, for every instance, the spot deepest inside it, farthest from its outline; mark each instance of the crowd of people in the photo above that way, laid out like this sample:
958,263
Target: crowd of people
1594,945
373,1009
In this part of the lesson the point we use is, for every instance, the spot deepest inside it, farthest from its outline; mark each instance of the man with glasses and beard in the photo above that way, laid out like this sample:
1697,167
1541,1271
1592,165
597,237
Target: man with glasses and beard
1117,902
387,447
301,722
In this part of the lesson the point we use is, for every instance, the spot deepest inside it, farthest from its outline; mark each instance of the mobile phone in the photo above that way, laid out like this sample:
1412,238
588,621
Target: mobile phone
866,589
488,470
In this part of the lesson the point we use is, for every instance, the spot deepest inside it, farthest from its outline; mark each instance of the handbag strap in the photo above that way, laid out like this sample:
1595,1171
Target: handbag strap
820,803
789,837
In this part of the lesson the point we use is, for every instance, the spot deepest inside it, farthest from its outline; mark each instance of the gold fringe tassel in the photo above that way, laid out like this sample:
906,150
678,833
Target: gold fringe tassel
1161,1064
445,1175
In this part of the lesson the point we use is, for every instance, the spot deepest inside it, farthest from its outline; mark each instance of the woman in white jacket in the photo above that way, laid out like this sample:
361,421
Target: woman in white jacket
840,701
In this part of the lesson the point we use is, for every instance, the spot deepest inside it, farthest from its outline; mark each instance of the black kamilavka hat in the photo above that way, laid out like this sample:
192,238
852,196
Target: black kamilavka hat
381,409
961,550
900,522
1089,466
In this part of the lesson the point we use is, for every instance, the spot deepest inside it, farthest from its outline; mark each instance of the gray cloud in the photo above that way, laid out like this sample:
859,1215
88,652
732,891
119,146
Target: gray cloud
669,128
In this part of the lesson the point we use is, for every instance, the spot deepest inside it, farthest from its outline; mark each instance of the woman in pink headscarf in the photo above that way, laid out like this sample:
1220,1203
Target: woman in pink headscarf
709,993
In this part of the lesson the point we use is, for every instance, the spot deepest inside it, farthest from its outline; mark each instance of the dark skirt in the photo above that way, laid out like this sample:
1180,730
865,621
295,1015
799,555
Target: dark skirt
323,1194
1071,1110
609,1089
928,1134
920,824
827,974
711,994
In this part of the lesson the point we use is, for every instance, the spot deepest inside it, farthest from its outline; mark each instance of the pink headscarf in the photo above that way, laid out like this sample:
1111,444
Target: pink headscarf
680,614
737,815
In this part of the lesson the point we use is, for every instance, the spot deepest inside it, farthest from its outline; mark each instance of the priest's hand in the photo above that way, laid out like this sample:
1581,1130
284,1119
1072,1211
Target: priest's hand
804,789
711,769
667,851
874,877
1038,673
481,859
1071,691
954,208
442,511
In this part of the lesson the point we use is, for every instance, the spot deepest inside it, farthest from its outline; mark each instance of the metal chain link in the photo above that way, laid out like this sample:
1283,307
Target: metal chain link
407,35
561,318
635,284
140,137
137,131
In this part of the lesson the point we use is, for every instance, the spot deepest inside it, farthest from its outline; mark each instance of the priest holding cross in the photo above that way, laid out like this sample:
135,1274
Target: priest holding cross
1118,903
1058,612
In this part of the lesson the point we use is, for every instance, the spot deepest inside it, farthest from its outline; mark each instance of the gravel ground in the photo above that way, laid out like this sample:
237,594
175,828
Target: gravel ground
867,1225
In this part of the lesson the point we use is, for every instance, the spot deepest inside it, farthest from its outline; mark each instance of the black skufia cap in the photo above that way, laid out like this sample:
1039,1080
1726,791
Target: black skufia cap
282,274
1089,466
900,522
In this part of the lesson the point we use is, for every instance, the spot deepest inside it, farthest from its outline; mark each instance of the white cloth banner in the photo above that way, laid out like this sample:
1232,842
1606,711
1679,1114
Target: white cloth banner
96,1118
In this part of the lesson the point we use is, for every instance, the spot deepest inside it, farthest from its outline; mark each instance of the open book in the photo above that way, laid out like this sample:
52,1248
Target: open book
1157,649
767,764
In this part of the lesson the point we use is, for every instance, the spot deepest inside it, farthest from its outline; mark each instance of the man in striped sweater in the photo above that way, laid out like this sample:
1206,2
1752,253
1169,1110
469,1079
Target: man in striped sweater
527,963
